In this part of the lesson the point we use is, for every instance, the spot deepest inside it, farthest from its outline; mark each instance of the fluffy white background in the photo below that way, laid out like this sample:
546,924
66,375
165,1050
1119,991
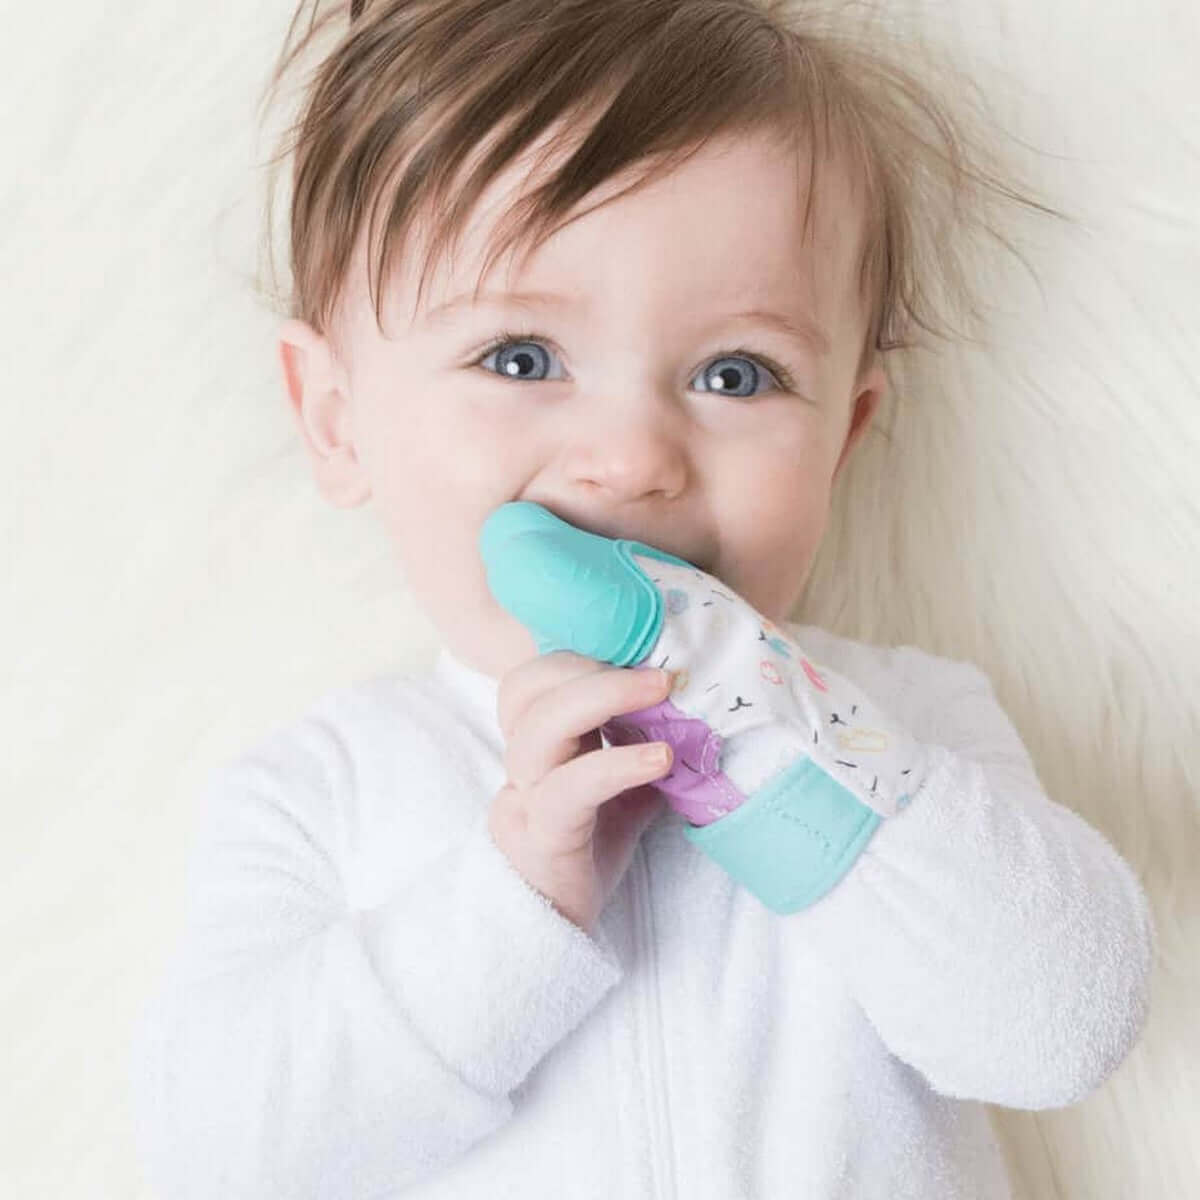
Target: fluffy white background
173,586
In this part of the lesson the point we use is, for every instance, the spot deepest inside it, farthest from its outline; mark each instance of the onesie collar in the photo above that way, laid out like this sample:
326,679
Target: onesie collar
472,687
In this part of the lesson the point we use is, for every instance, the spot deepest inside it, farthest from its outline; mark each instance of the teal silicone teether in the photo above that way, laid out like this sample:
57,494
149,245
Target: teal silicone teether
572,589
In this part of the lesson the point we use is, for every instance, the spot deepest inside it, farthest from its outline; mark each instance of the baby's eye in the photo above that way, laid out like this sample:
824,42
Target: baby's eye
723,375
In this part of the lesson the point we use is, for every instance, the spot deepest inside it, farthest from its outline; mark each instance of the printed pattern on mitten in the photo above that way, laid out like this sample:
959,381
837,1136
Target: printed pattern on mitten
747,702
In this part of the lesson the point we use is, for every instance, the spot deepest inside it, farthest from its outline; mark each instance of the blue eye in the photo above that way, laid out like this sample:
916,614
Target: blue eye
729,380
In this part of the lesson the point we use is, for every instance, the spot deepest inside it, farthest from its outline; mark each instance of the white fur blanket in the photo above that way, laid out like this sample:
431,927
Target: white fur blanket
173,585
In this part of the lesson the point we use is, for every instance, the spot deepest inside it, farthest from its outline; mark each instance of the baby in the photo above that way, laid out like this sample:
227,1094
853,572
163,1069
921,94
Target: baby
444,939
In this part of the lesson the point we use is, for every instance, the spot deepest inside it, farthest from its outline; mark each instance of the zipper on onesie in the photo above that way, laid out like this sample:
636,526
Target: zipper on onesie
661,1141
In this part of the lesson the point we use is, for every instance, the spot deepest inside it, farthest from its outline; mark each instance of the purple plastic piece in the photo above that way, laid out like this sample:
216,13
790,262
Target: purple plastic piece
695,787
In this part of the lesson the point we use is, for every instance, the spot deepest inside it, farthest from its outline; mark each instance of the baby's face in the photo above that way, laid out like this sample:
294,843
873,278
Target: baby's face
634,403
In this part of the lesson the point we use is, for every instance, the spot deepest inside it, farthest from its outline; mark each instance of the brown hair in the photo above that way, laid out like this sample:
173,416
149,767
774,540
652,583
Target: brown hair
410,88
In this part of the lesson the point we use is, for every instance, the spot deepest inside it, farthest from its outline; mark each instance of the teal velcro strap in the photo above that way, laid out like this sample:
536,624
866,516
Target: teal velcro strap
789,842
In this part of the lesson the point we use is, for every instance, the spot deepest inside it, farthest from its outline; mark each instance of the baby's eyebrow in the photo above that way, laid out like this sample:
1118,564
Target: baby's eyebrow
442,312
797,327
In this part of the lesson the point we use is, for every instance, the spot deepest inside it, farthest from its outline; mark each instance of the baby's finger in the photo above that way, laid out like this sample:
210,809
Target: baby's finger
521,686
551,728
563,808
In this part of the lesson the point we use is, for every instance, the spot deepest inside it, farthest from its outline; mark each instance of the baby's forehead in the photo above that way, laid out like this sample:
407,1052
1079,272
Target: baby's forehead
801,257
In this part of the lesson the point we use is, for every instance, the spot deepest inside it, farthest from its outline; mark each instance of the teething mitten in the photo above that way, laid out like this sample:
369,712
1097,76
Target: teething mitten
783,768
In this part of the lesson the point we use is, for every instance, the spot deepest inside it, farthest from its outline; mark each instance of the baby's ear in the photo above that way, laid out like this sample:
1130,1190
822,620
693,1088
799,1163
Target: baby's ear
320,403
870,389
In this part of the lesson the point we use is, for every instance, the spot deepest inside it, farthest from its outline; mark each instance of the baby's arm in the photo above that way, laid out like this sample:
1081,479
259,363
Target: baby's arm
301,1049
996,941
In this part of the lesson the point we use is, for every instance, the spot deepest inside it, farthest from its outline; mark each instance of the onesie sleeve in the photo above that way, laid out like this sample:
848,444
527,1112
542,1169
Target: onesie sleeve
298,1049
995,940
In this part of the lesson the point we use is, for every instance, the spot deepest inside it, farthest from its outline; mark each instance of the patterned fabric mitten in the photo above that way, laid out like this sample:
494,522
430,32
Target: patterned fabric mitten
783,768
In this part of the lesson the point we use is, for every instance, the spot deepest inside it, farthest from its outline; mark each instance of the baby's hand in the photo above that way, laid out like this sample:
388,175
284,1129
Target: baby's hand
569,821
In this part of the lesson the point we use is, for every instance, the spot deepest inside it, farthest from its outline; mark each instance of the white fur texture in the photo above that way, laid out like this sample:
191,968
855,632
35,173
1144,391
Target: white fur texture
173,586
